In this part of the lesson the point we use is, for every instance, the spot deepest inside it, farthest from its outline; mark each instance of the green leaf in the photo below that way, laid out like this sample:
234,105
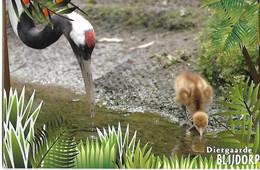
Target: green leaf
51,22
45,1
225,134
232,124
249,131
34,12
254,96
27,109
21,101
26,10
5,107
233,106
234,99
249,94
227,113
257,117
230,140
246,85
68,10
243,128
14,111
16,10
257,107
18,156
256,140
55,150
42,14
7,156
64,3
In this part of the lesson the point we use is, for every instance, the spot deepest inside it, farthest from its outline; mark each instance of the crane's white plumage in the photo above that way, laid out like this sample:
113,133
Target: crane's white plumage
12,15
79,31
79,26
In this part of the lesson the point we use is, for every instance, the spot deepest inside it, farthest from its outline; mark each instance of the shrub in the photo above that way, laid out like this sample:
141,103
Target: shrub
18,125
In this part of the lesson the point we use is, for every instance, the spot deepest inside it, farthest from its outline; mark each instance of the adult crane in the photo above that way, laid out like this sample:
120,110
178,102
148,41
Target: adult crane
78,31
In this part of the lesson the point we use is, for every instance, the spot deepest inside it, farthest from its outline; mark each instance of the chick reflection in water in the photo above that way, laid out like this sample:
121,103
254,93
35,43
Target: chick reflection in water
189,145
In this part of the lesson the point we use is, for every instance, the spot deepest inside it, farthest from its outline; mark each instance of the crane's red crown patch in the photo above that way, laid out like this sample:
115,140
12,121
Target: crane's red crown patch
90,38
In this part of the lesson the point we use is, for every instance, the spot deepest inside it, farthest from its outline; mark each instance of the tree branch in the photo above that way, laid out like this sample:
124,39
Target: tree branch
251,66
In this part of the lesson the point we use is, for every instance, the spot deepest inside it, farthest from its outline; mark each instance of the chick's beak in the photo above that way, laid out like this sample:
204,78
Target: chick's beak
85,66
200,131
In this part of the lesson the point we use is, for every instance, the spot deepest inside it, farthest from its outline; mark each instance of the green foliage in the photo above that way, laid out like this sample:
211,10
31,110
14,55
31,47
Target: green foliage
138,159
199,163
236,24
54,146
142,159
18,125
95,155
36,7
232,25
123,144
243,114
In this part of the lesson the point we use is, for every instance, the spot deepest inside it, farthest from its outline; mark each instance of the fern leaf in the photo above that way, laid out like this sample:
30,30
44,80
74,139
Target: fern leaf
254,96
236,25
256,140
249,131
54,147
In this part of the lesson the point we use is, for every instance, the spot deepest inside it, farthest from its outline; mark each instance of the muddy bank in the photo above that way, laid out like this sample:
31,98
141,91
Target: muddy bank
126,77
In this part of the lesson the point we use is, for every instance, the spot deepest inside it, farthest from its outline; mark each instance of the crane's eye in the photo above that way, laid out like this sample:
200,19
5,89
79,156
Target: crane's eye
90,38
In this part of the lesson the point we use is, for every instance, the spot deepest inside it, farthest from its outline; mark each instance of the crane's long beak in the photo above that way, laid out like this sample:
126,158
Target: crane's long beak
85,66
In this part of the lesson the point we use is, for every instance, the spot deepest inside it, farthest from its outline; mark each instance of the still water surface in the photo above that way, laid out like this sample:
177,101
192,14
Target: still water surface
166,138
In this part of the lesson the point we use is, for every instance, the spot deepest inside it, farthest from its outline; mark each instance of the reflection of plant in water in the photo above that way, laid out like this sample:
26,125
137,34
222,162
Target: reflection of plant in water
18,125
244,116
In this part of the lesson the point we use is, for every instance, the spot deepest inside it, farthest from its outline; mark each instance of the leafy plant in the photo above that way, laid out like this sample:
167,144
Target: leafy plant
138,159
236,26
142,159
243,116
199,163
18,125
54,146
123,144
95,155
42,9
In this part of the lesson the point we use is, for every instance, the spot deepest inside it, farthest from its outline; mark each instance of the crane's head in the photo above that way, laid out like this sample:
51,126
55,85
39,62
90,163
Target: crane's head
200,120
82,39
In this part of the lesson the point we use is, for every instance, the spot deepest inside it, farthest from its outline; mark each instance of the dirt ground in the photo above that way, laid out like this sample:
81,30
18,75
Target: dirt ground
126,77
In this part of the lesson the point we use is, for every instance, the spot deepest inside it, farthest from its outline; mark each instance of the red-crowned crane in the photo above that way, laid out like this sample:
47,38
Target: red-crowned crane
78,31
193,92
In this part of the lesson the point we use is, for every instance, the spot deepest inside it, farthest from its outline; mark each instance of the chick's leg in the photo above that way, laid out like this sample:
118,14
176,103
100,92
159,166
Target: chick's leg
187,121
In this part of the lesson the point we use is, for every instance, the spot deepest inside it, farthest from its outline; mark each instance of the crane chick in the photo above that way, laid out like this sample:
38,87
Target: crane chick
194,93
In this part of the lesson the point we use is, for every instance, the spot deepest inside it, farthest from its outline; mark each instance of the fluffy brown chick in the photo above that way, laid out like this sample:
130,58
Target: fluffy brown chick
200,121
193,92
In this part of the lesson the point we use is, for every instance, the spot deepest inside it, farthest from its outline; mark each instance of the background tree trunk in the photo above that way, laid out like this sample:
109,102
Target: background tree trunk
6,59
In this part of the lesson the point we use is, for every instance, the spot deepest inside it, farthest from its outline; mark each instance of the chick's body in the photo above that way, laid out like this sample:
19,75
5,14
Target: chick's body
193,92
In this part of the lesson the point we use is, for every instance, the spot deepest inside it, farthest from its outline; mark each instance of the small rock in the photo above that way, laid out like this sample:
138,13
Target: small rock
75,100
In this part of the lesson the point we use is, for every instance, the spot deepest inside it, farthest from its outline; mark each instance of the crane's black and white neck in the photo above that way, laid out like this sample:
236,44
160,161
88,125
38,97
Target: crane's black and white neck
79,32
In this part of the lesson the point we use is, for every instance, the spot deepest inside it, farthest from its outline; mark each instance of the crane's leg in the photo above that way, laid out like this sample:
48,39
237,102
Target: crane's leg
187,121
